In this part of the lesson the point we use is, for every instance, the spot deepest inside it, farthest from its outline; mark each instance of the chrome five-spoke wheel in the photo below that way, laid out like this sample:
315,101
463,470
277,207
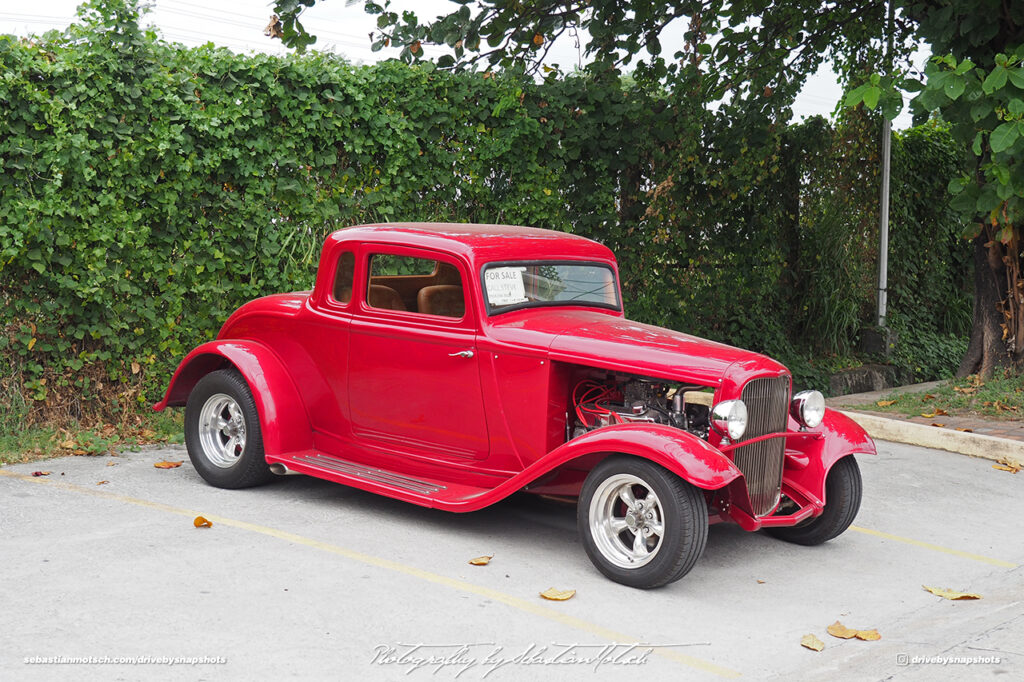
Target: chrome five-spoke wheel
627,521
642,525
222,430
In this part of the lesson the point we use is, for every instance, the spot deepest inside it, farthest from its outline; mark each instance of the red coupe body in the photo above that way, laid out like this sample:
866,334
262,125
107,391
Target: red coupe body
442,364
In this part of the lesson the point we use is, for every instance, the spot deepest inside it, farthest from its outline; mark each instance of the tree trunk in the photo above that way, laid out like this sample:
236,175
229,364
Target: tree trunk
986,350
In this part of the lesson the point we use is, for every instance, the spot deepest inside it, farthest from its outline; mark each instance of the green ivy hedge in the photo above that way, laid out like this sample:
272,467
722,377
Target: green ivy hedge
146,190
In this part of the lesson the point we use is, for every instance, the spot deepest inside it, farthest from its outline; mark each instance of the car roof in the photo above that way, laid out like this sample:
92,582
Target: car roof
480,243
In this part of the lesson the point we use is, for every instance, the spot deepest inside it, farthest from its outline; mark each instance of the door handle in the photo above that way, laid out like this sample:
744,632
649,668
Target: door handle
461,354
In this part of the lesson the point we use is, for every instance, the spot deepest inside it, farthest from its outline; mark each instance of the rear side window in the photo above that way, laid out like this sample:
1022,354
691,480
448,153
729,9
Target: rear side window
343,277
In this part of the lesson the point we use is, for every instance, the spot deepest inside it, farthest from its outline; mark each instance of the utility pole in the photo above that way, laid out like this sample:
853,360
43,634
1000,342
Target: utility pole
883,225
883,213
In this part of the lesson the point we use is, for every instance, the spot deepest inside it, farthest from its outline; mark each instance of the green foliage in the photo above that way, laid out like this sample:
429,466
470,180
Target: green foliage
147,190
985,105
838,222
928,354
931,288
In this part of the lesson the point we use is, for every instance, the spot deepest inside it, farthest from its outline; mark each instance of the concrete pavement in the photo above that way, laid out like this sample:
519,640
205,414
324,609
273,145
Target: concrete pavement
307,579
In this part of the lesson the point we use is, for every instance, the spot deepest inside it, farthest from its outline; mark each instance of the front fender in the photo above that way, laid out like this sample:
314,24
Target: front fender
283,420
682,453
808,464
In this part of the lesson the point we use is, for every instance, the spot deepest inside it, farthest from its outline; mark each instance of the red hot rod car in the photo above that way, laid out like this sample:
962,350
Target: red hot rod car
453,365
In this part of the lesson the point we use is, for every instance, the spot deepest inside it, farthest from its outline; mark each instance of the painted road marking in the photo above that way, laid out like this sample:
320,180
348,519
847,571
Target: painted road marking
935,548
436,578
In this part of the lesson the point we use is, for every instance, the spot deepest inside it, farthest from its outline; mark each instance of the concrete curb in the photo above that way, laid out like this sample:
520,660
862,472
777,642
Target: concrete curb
972,444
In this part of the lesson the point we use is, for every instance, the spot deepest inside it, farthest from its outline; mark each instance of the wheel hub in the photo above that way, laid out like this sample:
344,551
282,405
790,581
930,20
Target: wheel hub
222,430
626,521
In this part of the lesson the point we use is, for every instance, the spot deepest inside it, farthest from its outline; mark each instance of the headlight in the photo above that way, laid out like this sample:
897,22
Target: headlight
729,418
808,408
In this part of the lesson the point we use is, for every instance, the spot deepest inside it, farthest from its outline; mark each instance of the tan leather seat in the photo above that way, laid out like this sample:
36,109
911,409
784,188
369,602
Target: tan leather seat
384,297
441,299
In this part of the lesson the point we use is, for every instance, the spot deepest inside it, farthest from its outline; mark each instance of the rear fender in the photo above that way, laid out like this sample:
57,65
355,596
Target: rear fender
682,453
283,419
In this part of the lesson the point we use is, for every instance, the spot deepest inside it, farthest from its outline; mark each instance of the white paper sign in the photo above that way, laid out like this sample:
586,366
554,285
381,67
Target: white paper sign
505,286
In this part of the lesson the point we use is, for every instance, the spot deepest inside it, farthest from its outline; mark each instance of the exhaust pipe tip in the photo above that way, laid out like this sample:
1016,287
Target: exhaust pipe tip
281,469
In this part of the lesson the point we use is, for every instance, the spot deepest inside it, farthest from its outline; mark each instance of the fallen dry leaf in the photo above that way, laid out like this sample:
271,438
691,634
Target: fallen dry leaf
965,391
928,396
812,642
1007,464
839,630
202,522
68,444
939,412
41,473
102,482
966,430
481,560
111,463
557,595
168,465
928,415
136,368
880,403
940,424
952,595
760,582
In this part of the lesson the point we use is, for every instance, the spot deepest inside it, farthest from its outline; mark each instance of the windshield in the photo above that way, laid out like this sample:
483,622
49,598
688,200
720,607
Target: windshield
511,286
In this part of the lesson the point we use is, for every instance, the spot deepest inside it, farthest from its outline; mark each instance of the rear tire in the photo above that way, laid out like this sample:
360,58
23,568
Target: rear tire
642,525
222,432
843,489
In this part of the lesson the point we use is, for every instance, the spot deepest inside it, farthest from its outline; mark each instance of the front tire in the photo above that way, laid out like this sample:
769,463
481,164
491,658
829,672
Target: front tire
642,525
222,432
843,489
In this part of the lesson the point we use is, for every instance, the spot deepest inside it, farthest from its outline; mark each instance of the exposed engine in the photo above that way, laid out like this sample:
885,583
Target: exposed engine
628,399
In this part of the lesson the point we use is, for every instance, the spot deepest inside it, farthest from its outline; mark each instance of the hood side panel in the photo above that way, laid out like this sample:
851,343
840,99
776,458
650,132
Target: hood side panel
595,339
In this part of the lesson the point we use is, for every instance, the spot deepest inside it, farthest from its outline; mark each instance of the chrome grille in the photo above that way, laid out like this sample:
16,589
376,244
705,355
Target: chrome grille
767,401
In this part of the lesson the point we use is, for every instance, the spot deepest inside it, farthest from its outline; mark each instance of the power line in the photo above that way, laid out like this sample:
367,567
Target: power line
316,25
31,16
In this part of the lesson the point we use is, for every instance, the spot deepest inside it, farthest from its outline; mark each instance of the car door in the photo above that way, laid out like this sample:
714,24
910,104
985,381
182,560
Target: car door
413,370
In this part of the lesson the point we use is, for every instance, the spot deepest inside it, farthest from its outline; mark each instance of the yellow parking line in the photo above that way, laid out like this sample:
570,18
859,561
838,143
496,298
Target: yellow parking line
935,548
510,600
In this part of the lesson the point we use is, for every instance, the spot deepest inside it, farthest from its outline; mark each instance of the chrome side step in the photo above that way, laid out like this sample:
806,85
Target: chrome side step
370,473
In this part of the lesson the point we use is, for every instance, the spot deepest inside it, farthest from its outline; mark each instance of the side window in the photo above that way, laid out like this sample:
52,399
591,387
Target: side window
386,265
344,276
419,285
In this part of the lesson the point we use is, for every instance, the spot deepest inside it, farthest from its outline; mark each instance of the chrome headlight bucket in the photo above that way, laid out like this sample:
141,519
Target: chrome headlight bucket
808,408
729,418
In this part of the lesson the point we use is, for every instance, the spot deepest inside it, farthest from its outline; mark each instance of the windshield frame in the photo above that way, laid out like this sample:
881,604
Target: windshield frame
492,311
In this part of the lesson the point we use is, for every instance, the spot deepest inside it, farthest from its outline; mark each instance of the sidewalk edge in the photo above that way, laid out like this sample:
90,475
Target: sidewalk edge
972,444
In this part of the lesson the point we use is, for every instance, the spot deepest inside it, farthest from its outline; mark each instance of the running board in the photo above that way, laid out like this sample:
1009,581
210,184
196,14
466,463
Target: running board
390,478
421,490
